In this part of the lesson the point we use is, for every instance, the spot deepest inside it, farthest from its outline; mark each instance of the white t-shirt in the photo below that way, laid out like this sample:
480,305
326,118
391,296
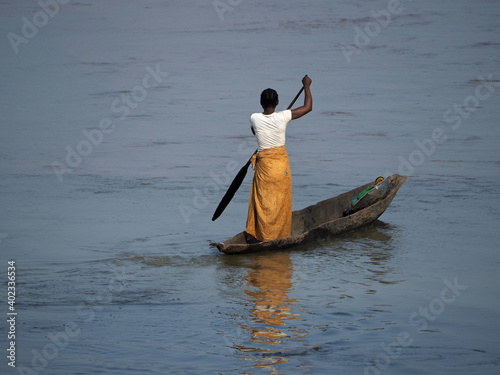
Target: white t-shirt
270,129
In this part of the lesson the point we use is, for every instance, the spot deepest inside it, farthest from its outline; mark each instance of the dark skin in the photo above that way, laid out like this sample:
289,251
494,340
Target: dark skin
300,111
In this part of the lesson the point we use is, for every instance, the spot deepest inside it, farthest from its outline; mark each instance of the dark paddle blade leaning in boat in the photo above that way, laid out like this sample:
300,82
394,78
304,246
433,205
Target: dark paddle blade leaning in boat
232,189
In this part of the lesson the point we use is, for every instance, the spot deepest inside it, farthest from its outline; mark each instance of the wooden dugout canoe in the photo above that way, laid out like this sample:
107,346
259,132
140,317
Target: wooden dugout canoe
323,219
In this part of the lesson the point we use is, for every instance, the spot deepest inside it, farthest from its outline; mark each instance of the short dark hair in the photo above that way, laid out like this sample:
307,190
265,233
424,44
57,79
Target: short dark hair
269,98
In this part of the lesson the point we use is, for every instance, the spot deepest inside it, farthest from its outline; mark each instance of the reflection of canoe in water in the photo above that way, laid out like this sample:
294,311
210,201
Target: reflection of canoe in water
325,219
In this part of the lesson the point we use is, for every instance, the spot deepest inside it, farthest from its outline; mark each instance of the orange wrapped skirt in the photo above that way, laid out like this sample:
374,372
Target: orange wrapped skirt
270,206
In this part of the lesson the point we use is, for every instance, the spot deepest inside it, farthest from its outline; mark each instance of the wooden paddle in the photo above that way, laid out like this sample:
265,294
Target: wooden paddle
241,176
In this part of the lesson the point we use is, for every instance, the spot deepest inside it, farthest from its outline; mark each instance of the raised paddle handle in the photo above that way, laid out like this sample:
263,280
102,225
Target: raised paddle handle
296,97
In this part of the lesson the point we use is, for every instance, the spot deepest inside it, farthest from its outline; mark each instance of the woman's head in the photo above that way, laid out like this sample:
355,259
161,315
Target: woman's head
269,98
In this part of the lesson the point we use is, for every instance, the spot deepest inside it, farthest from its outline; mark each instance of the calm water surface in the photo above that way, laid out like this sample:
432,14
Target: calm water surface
114,269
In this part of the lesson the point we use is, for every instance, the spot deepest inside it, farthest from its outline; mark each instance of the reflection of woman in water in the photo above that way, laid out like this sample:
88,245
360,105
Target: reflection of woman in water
270,280
272,277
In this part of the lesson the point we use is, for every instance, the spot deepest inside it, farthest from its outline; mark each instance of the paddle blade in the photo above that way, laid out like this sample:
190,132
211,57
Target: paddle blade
231,191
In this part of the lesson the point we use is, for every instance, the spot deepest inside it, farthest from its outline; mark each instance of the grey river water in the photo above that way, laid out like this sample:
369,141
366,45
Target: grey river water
123,123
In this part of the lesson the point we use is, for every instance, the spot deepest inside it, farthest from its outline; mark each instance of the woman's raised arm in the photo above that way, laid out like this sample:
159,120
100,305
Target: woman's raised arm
308,102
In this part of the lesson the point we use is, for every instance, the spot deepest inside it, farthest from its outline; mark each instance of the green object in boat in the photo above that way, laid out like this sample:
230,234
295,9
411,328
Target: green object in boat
362,194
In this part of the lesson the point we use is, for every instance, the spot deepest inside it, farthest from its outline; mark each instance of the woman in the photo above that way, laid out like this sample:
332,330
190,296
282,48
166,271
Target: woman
270,206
